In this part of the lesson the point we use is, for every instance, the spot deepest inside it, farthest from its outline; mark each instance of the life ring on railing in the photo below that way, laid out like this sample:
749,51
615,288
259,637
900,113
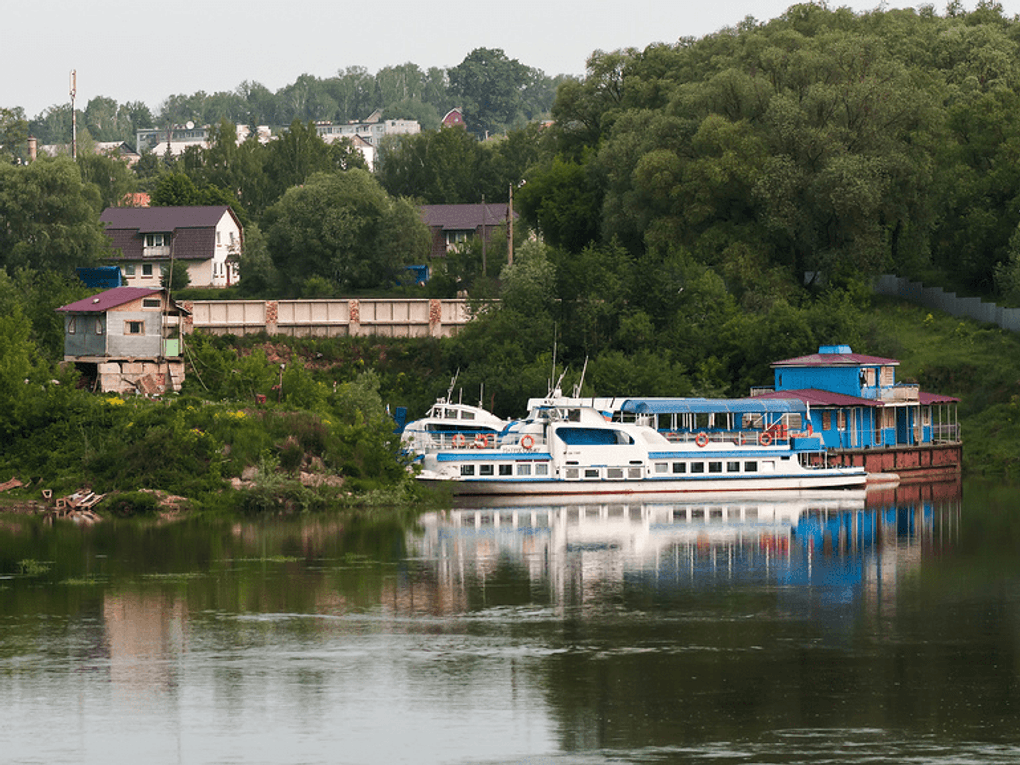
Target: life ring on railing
459,440
479,441
701,439
765,439
527,442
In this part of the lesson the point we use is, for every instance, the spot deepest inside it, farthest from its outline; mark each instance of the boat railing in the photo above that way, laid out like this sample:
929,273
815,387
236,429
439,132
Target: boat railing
754,437
447,441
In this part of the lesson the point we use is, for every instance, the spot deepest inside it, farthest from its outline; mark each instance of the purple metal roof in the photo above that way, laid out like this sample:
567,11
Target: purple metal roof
162,219
936,398
464,217
835,360
816,397
104,301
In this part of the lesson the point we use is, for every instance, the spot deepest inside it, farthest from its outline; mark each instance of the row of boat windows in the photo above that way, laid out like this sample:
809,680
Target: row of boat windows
506,471
529,469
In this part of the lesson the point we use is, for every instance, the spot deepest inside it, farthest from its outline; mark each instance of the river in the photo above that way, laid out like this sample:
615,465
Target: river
829,628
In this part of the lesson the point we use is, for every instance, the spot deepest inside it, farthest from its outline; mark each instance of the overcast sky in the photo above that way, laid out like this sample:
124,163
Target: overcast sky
136,51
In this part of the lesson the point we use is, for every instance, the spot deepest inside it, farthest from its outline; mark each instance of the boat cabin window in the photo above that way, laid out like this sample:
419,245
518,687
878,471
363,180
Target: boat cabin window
732,467
524,470
467,415
506,469
541,469
485,470
591,472
767,466
679,467
661,467
714,467
467,470
697,467
751,467
634,473
614,474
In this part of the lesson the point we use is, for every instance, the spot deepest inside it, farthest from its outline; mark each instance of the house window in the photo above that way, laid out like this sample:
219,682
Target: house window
456,237
134,327
217,237
150,303
157,240
99,326
129,270
147,269
71,325
826,420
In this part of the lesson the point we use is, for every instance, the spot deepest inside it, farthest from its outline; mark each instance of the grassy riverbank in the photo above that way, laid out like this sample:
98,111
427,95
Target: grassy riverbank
977,363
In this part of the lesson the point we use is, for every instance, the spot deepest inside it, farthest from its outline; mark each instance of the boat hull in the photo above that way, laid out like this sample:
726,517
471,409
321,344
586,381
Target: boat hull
816,479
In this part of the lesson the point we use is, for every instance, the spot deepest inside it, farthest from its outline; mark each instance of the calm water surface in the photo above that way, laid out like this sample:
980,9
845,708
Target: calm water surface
835,628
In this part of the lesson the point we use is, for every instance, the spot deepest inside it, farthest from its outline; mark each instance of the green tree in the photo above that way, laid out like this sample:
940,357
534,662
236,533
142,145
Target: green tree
49,218
13,135
345,228
111,176
489,86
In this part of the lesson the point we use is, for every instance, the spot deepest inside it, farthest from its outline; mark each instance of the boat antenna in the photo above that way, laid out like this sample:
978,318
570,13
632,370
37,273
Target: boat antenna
557,391
580,383
553,375
481,395
453,382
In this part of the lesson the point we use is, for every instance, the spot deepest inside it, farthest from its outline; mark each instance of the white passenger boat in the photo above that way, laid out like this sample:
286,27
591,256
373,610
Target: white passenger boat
452,426
565,446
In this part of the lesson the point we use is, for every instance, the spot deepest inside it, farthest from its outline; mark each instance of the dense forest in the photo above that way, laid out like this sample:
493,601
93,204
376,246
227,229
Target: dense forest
689,213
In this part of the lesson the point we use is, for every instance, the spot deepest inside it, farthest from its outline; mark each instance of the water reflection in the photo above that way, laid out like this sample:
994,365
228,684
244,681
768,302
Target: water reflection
592,555
843,626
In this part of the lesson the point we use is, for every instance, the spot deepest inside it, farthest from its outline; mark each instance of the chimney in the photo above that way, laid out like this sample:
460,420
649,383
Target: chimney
32,148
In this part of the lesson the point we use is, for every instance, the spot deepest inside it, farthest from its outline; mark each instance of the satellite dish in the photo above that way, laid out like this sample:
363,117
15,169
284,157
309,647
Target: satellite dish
189,125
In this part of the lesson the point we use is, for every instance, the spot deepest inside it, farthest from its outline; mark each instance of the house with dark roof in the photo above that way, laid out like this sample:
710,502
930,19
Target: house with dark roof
856,404
126,339
148,239
454,225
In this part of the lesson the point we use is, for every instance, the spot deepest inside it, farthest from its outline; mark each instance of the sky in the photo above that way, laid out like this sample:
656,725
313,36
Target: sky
131,51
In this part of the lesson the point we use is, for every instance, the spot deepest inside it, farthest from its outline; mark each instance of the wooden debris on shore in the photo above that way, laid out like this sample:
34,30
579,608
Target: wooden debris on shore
78,506
14,483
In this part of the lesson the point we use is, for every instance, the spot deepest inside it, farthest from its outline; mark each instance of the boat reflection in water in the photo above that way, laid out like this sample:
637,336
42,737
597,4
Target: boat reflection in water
822,548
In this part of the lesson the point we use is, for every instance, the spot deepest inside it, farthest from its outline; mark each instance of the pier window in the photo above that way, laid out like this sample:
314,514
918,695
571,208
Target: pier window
679,467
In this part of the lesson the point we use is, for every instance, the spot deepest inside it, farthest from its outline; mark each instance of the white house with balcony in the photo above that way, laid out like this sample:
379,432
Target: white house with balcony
146,240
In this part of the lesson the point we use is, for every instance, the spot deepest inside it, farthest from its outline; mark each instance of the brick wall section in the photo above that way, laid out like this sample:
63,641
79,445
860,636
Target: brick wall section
272,316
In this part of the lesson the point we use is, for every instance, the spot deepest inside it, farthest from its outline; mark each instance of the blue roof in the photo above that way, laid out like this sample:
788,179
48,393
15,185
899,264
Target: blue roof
708,405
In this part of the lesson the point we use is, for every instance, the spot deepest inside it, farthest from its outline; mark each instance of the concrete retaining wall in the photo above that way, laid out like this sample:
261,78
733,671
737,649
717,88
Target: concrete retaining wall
329,318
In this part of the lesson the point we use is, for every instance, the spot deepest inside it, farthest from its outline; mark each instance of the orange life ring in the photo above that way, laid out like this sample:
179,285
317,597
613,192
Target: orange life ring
459,440
765,439
479,441
701,439
527,442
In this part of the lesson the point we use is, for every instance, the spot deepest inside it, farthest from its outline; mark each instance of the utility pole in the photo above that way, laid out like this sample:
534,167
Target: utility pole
483,235
510,227
74,117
